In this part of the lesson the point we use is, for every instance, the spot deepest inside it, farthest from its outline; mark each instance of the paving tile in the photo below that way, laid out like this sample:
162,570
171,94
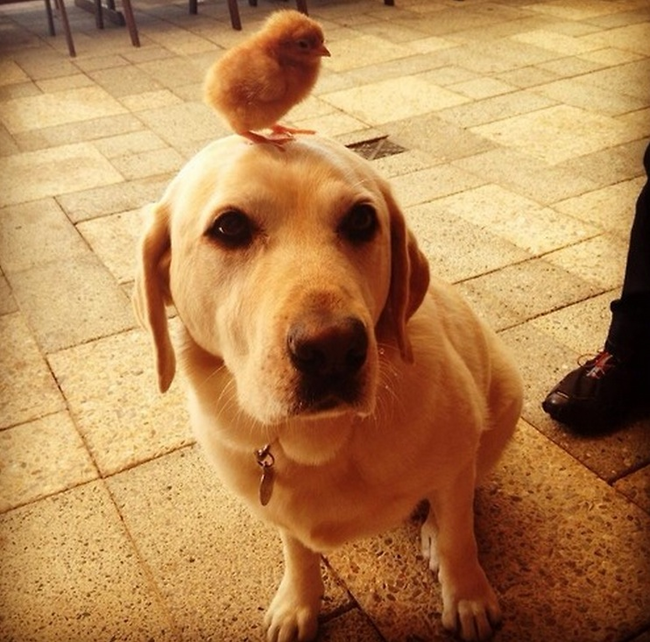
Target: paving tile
36,233
41,458
38,67
611,208
184,44
576,11
542,362
444,141
564,514
114,240
481,88
476,113
224,540
628,37
557,42
517,219
31,391
71,301
95,63
368,103
115,402
450,75
550,287
75,81
456,249
152,162
53,167
582,326
608,57
173,72
129,143
388,31
18,90
352,625
489,307
527,77
611,166
570,66
429,184
77,534
331,125
150,100
528,176
404,163
558,133
124,81
11,73
494,57
8,144
178,124
78,132
590,97
600,260
636,487
363,51
110,199
61,107
7,301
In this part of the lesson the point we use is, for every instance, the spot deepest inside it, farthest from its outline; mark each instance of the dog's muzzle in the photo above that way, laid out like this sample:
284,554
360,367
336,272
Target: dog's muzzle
328,354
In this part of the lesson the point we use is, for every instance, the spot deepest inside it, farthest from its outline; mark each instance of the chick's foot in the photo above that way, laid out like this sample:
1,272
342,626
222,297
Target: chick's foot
282,130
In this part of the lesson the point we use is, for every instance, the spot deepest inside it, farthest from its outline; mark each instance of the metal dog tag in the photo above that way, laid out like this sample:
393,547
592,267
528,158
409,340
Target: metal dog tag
266,461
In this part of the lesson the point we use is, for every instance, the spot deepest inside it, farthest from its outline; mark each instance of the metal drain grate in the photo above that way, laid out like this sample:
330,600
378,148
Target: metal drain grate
376,148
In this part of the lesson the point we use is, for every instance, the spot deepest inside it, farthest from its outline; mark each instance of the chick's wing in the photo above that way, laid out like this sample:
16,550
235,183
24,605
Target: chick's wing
259,79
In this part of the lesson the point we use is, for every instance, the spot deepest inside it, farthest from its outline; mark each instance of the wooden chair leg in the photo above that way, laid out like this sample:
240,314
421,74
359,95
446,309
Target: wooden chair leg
390,3
302,6
252,3
50,18
99,15
235,20
129,18
60,5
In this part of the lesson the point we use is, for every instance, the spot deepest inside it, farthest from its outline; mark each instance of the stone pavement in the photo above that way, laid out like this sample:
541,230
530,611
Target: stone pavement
515,129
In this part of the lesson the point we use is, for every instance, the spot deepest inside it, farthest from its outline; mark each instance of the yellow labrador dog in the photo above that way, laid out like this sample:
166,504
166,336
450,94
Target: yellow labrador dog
332,382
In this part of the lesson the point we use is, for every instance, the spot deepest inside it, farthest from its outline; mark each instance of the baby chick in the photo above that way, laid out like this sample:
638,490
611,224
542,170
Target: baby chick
257,82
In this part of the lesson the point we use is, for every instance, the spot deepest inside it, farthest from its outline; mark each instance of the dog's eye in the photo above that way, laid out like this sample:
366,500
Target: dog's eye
360,223
232,228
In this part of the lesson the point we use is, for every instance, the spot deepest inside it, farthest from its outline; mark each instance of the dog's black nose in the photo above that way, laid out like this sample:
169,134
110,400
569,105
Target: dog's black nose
320,347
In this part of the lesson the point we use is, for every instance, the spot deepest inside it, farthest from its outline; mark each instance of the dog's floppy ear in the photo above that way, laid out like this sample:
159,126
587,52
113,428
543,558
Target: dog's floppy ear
151,293
409,276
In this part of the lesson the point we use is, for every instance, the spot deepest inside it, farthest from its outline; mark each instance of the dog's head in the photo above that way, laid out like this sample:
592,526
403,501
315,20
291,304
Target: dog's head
294,267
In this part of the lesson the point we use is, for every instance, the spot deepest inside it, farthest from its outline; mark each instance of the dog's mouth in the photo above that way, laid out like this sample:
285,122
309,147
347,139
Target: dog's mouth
329,395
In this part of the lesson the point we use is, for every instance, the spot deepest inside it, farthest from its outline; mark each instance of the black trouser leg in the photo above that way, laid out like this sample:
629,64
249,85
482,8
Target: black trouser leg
629,333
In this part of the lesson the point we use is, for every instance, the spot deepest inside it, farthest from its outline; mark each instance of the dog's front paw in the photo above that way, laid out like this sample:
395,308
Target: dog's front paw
472,612
428,541
290,618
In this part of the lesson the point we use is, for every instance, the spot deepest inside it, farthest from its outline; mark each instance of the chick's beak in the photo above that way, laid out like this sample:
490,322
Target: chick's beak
322,50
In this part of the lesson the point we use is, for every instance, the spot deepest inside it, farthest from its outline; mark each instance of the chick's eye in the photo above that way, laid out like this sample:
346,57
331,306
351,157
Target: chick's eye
232,228
360,223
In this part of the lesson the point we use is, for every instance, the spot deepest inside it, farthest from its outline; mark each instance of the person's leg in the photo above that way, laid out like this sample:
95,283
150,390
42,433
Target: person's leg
629,333
603,390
